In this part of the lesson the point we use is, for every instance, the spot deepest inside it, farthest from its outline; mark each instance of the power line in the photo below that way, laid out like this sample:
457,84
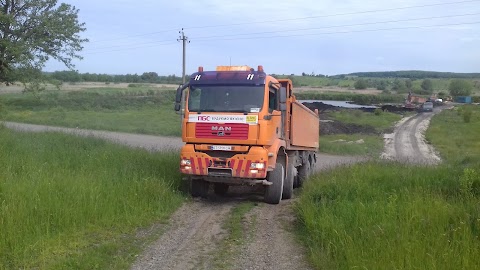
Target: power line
298,35
347,32
136,45
131,48
335,15
130,44
137,35
337,26
295,19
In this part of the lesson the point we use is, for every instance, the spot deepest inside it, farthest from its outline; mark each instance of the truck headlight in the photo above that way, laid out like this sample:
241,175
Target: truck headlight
185,162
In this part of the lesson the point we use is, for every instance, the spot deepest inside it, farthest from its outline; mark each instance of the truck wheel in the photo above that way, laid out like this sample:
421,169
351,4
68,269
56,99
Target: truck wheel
199,188
273,193
288,183
220,188
303,173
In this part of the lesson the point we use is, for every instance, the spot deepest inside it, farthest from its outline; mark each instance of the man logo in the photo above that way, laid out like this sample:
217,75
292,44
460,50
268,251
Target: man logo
221,134
221,128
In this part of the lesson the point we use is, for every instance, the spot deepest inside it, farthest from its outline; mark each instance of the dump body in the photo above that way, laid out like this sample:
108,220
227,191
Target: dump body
240,125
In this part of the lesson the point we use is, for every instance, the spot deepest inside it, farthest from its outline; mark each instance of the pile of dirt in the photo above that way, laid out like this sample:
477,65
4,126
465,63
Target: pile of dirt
330,127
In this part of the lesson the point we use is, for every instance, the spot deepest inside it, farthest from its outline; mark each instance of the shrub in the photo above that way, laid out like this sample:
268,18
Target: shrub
467,114
360,84
378,111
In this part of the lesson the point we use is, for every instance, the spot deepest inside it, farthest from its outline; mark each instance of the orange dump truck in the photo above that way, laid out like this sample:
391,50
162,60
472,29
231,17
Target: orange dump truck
243,127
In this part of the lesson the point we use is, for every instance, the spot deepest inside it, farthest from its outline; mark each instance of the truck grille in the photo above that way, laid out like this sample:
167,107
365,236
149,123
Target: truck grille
221,131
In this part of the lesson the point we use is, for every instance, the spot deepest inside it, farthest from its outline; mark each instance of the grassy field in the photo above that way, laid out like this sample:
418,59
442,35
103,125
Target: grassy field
137,110
352,144
76,203
457,141
392,216
381,122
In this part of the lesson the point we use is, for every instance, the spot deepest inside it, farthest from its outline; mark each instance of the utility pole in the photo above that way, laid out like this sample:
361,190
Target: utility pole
184,40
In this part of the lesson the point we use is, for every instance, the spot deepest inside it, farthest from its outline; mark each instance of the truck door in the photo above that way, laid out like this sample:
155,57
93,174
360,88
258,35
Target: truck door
274,105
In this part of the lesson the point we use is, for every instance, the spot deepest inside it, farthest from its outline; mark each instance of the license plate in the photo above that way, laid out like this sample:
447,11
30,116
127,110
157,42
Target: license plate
221,147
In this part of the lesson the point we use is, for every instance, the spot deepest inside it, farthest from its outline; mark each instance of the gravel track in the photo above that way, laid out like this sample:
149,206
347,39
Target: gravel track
407,144
196,230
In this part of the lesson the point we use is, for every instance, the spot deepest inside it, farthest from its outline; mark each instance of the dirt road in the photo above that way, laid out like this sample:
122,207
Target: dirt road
407,143
196,231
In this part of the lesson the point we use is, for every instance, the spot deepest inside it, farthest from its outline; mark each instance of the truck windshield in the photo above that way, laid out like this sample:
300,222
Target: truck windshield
226,98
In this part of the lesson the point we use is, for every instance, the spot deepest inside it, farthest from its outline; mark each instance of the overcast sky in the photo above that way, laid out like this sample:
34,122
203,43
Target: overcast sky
319,36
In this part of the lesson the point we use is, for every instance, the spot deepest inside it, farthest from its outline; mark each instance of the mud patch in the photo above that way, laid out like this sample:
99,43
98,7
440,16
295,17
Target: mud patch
330,127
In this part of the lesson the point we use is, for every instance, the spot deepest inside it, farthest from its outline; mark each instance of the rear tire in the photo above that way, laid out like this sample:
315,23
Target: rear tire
288,183
199,188
220,188
303,173
273,193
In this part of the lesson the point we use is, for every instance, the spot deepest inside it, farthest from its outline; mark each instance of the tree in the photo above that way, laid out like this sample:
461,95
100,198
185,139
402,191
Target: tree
427,85
460,87
398,86
382,85
409,84
360,84
33,31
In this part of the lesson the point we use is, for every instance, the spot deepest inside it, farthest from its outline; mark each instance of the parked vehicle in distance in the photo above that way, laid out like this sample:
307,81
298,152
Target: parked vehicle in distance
244,127
427,106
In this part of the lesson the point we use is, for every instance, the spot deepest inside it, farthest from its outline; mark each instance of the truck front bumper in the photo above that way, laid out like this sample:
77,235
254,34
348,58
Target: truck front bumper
252,165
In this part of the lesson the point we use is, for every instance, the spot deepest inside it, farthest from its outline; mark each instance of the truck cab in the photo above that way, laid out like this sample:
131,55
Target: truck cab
243,127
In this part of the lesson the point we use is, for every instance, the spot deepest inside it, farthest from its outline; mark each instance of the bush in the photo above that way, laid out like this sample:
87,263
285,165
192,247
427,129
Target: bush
360,84
378,111
467,114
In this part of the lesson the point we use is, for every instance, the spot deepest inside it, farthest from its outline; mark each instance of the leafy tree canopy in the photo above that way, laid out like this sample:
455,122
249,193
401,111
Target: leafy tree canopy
33,31
459,87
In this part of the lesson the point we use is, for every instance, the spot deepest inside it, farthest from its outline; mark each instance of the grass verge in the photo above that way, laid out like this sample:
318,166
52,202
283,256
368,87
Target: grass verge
391,216
378,216
457,141
76,203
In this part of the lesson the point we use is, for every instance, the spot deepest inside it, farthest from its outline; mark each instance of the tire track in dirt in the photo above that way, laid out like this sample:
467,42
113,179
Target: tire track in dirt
407,143
194,233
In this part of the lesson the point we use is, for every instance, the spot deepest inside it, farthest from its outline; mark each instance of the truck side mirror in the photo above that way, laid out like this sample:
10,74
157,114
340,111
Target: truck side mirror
178,96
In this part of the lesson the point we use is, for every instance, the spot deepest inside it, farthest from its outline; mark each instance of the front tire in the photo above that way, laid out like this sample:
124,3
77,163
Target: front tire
199,188
273,192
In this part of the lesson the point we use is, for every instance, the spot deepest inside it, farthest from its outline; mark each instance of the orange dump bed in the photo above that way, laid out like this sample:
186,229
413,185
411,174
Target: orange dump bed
305,126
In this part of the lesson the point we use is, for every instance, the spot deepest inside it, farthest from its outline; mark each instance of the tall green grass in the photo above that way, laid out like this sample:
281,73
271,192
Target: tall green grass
457,141
76,203
386,216
380,122
392,216
138,111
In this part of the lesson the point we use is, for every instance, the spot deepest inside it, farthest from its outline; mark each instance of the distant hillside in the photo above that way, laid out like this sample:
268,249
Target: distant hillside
412,74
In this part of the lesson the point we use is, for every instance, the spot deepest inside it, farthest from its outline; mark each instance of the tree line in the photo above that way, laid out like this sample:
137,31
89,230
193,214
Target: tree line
412,74
146,77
